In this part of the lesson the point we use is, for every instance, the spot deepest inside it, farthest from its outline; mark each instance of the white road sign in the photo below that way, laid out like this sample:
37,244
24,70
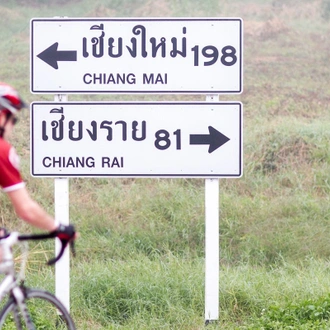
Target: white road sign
141,55
136,139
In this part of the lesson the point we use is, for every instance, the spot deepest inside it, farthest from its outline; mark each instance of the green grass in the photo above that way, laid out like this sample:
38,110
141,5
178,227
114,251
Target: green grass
140,258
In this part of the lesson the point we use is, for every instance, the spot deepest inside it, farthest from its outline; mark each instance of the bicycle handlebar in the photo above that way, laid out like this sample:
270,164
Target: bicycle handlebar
42,236
45,236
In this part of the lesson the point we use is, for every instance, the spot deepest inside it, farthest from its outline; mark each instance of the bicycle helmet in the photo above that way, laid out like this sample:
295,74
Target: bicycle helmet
9,99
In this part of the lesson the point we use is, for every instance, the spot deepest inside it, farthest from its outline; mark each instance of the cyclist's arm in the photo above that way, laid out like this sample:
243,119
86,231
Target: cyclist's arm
30,211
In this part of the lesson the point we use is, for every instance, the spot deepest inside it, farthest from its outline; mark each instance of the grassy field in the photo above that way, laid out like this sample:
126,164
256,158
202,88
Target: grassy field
140,262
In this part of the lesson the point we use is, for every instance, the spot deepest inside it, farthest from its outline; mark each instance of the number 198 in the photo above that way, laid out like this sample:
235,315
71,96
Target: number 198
228,57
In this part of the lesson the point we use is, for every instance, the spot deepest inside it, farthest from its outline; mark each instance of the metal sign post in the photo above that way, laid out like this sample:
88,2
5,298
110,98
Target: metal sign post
211,243
138,139
211,249
62,267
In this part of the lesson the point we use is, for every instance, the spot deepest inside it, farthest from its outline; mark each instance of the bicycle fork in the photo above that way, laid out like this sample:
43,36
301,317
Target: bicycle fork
23,312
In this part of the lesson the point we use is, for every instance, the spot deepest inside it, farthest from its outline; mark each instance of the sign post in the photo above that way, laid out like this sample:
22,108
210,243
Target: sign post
212,243
62,267
144,139
211,249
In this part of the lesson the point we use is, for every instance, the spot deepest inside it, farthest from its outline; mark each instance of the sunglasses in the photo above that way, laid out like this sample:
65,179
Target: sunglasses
12,118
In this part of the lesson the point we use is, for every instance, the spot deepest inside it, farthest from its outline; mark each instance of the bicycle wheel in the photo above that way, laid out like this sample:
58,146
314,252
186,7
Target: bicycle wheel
44,309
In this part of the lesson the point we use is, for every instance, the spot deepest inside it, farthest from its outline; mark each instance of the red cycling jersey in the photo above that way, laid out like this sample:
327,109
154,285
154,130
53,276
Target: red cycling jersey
10,177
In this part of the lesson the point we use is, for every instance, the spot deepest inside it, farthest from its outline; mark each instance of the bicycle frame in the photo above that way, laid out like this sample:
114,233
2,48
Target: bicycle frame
7,264
18,294
10,282
7,285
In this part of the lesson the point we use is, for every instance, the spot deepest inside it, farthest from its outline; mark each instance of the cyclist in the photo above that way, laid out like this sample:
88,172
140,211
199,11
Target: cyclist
10,177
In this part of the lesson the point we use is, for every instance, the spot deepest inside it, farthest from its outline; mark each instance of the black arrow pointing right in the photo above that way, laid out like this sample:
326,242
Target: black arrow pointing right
51,55
214,139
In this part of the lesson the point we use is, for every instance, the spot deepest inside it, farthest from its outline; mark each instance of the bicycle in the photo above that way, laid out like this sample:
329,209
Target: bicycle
27,308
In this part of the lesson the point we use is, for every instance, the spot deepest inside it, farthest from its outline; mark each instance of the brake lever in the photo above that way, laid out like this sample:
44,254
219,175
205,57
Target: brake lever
59,256
63,247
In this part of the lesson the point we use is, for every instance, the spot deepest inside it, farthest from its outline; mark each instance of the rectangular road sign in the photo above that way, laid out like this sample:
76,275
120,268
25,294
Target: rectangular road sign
136,55
136,139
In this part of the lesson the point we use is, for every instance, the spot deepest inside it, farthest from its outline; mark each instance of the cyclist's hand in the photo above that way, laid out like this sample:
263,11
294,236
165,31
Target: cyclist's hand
3,232
65,233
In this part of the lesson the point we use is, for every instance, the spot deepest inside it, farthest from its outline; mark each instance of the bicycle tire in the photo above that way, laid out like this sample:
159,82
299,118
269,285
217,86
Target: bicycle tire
45,310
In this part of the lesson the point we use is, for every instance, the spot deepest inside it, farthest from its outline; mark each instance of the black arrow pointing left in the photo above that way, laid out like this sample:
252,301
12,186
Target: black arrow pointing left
214,139
51,55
